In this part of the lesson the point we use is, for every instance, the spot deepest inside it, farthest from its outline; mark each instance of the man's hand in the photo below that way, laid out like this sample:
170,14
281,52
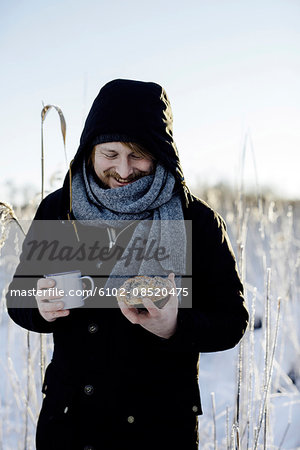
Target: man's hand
161,322
50,311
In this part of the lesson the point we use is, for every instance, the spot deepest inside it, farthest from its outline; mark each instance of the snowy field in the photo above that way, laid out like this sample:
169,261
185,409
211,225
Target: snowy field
250,394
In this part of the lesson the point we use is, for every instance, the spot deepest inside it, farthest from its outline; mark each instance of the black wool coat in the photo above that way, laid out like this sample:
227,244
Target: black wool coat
111,383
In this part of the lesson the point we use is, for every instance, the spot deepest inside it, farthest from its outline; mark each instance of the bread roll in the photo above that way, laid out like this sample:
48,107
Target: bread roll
134,289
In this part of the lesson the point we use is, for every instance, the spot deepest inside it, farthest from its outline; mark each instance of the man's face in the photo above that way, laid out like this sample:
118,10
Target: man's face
116,165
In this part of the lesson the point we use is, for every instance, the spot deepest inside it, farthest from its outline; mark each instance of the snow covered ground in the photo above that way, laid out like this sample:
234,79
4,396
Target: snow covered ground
266,240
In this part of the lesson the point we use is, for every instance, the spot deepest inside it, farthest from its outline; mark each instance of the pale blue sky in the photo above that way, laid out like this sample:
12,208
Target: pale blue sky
227,66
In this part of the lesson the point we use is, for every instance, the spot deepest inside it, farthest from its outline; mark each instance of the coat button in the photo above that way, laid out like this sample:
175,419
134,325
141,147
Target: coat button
130,419
93,328
195,408
88,389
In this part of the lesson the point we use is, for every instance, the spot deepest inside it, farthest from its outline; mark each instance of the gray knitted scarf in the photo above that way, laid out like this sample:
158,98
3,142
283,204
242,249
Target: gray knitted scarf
151,200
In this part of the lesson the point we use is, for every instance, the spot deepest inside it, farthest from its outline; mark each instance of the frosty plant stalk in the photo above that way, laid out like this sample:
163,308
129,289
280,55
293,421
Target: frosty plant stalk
63,128
6,216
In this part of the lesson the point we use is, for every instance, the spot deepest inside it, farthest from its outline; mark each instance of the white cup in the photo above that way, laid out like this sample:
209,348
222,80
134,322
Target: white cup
71,284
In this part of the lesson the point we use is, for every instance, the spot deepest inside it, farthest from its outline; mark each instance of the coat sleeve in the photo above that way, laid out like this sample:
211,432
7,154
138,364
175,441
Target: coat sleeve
23,308
218,317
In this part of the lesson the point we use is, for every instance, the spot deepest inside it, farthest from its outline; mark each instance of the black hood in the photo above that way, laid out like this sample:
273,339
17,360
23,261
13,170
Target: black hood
139,110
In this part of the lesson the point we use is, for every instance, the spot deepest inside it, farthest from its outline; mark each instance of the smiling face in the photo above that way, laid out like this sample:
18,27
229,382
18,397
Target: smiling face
117,165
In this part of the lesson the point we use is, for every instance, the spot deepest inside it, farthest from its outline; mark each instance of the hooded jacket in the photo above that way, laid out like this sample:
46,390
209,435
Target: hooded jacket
107,373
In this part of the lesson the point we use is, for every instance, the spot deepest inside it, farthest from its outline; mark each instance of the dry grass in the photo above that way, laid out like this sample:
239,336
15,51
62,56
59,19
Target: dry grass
265,234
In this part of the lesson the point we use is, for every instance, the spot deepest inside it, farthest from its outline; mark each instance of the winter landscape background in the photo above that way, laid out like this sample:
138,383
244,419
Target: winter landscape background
250,394
230,68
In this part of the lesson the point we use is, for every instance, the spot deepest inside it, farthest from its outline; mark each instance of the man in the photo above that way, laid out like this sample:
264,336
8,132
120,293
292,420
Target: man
122,377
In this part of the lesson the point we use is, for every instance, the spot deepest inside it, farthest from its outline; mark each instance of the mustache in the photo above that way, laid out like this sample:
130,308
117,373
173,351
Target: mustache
133,177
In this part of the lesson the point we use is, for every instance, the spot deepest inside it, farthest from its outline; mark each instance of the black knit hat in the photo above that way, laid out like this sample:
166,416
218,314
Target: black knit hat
133,111
102,138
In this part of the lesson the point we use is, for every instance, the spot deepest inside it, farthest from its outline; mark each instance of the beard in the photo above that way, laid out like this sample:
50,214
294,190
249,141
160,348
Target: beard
136,175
